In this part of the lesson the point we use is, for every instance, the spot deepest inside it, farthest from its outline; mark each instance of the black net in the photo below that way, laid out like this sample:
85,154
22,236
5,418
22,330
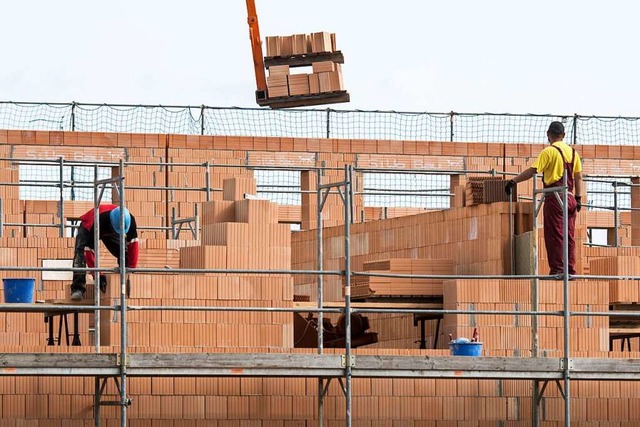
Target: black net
137,119
389,126
30,116
279,186
306,123
42,182
259,122
608,131
406,190
604,195
507,128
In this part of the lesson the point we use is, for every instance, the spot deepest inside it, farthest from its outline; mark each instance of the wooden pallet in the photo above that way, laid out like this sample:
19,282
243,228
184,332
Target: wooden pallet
305,100
304,59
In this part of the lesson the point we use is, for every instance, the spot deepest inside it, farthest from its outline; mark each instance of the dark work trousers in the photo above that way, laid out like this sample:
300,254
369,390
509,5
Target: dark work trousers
85,239
553,233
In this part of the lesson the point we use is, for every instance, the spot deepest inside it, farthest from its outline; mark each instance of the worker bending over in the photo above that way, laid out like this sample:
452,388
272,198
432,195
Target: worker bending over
554,161
109,225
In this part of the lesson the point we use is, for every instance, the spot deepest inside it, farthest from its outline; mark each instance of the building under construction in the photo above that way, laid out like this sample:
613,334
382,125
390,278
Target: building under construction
310,267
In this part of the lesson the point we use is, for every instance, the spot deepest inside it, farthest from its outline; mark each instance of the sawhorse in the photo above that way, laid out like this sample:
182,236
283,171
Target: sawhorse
422,318
48,318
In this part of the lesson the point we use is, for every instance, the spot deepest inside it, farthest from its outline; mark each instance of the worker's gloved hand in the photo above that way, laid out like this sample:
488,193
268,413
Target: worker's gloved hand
578,203
103,283
508,188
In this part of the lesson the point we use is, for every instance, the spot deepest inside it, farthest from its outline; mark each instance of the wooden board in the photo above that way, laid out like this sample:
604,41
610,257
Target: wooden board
305,100
303,60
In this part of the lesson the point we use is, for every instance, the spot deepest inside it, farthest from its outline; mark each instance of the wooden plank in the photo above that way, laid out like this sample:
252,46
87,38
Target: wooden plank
304,60
458,363
57,360
306,100
310,365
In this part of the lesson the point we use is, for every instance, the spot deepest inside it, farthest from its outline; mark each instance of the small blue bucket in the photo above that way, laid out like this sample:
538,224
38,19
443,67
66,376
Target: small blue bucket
466,349
18,290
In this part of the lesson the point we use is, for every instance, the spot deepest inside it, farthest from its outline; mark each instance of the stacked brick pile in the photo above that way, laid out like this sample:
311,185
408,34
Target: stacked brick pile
326,75
325,78
362,286
237,234
620,291
300,44
475,239
512,334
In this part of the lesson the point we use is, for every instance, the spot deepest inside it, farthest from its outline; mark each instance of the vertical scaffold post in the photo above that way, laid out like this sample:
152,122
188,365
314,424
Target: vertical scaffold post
347,289
616,220
61,207
73,116
328,123
566,317
319,267
202,107
96,294
124,401
1,220
207,179
535,408
451,120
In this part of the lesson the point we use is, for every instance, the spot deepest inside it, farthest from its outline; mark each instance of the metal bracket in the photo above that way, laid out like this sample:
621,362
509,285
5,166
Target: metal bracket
119,360
343,361
564,367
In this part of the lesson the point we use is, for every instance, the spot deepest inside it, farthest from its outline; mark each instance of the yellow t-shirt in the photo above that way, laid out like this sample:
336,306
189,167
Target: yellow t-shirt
551,164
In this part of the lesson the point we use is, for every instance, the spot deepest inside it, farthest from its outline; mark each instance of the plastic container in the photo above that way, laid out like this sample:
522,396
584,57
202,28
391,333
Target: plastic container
18,290
466,348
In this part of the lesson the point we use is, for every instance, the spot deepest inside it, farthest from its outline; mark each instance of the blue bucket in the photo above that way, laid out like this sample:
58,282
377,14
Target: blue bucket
18,290
466,349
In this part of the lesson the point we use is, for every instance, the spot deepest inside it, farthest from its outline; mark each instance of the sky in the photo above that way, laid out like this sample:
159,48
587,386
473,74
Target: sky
499,56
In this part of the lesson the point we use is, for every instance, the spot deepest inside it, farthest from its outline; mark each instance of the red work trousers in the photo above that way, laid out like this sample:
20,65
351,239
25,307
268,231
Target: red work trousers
553,232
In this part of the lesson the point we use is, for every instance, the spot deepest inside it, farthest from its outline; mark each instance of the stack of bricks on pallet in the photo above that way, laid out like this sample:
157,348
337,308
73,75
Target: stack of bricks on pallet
620,291
300,44
326,77
398,286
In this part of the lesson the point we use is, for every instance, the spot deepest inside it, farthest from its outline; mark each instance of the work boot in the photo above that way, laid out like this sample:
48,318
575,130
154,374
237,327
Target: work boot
77,295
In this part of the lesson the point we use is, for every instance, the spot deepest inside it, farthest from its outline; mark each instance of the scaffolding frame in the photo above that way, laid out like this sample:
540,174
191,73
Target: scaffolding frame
342,367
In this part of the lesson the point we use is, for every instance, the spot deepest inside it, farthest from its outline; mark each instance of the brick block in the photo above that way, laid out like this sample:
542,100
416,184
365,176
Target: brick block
226,234
256,211
236,188
278,69
218,211
323,67
273,45
321,42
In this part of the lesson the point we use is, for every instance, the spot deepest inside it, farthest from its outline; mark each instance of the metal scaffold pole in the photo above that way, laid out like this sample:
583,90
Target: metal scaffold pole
319,265
535,407
96,293
347,288
124,400
567,308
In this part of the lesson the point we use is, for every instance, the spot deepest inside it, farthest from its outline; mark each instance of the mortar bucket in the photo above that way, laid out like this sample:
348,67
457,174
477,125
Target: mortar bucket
466,349
18,290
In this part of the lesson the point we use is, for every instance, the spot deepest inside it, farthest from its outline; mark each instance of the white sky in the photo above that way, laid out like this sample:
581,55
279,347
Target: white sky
543,56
